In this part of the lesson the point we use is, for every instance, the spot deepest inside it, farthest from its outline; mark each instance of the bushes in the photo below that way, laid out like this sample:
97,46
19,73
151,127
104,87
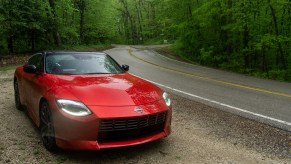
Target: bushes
282,75
3,48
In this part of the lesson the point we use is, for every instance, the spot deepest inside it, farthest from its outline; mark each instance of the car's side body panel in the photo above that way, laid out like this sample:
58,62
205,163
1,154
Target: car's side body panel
33,88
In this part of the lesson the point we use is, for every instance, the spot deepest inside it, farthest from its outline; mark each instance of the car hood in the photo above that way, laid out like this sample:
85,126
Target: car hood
109,90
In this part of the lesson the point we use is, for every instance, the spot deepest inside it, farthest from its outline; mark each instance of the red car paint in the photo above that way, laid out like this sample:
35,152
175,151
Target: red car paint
108,96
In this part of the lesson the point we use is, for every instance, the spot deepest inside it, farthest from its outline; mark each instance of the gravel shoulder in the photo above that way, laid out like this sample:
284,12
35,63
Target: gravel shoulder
200,134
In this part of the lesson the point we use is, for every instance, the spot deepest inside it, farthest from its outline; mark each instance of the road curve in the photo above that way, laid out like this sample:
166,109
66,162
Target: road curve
263,100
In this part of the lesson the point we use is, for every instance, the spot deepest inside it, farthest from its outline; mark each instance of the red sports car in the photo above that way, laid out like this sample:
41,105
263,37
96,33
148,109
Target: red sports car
87,101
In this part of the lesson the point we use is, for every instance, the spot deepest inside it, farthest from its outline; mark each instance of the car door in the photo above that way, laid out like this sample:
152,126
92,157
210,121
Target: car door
33,85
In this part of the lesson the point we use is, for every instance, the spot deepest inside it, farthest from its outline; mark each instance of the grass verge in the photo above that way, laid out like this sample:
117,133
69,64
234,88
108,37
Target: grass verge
166,51
278,75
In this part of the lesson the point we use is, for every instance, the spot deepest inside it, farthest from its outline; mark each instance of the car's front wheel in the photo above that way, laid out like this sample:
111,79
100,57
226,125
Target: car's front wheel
47,128
17,96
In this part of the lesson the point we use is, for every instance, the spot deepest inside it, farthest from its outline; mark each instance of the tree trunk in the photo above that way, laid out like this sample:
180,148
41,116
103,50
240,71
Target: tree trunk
153,11
189,6
245,45
133,32
81,4
264,62
126,31
246,35
129,16
32,40
55,30
10,37
10,44
139,16
82,26
280,49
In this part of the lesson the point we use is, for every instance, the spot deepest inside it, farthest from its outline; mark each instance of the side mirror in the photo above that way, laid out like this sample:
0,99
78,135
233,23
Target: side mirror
29,68
125,67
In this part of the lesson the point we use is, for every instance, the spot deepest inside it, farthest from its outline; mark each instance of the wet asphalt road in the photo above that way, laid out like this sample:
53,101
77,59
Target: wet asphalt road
263,100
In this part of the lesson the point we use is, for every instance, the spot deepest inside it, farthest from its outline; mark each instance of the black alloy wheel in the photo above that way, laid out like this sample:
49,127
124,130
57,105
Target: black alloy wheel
47,128
17,96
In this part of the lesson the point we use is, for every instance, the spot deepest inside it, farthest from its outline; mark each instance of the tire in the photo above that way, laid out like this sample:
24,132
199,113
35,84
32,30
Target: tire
18,104
47,128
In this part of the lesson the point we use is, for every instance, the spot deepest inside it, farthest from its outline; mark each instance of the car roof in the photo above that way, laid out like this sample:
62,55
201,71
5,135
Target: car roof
73,52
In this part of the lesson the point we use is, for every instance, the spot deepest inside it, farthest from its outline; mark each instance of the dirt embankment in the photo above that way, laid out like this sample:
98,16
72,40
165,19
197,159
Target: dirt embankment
201,134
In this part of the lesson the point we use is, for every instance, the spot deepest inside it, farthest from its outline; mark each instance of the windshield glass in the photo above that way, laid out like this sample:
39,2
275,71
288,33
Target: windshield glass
81,63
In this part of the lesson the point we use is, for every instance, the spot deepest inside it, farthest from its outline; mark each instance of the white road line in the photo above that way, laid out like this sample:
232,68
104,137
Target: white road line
221,104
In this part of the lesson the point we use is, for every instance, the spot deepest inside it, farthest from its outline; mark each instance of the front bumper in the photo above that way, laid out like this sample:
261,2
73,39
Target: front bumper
82,133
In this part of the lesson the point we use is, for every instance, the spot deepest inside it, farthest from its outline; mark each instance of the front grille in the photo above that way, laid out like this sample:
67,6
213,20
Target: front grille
130,128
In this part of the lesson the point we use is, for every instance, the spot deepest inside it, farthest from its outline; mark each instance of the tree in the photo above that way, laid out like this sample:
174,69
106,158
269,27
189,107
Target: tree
54,22
21,21
81,6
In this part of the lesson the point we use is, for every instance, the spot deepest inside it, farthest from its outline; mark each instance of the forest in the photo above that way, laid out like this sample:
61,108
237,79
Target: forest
246,36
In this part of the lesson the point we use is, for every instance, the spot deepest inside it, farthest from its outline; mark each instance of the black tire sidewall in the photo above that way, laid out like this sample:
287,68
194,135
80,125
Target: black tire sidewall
51,145
17,100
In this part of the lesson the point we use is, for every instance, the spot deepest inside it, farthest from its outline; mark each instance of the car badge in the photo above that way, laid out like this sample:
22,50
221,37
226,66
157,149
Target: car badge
138,110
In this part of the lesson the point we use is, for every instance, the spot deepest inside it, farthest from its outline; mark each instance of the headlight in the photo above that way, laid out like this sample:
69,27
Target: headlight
74,108
167,99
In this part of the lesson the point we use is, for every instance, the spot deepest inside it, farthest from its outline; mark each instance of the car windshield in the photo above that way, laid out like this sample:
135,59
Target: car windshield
81,63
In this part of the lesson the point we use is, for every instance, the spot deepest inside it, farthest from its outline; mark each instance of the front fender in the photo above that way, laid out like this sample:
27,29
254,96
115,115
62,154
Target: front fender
51,95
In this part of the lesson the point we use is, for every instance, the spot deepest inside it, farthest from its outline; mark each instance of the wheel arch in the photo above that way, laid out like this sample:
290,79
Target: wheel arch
42,100
15,79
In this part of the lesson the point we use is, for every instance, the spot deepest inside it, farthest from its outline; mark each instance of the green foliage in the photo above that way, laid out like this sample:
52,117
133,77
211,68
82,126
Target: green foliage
243,35
277,74
240,35
90,47
30,25
206,57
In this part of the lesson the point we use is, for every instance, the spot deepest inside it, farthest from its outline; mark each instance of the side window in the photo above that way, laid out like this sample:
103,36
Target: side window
37,60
